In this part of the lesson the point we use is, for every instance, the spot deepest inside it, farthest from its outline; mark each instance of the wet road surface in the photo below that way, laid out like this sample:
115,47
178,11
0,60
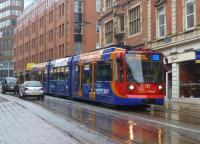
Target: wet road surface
129,127
181,112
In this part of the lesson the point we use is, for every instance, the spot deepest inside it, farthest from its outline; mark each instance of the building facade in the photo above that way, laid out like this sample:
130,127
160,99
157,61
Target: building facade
123,22
175,30
51,29
170,26
9,11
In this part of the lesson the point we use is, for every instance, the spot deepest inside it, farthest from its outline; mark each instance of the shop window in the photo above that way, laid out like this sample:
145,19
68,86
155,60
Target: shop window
189,82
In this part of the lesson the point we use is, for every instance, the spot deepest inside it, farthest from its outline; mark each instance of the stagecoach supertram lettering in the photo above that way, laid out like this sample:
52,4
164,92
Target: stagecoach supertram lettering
91,56
102,91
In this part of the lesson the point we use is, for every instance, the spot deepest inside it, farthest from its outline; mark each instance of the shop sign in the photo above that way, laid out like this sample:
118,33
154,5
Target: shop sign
29,66
197,57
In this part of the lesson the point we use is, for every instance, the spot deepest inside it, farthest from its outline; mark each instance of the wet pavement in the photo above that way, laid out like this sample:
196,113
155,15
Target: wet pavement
131,127
24,122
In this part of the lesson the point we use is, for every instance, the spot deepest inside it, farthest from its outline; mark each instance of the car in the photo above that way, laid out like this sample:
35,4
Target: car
31,89
9,84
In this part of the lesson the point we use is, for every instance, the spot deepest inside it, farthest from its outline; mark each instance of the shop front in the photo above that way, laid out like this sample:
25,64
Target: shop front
190,79
183,76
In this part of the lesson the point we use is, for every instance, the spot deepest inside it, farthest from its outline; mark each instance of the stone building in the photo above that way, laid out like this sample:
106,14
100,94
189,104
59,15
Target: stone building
170,26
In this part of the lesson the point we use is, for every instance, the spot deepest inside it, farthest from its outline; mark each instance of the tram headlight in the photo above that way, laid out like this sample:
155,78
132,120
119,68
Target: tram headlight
160,87
131,87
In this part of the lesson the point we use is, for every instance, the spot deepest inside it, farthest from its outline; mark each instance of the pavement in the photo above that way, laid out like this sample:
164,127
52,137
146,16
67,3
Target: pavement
19,126
23,122
186,100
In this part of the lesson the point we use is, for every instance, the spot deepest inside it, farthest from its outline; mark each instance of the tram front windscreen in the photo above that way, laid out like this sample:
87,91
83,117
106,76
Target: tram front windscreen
144,68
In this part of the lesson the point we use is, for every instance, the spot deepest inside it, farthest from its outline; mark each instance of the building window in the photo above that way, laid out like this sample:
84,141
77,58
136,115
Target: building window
60,11
121,23
161,22
98,5
59,31
189,12
109,32
63,50
63,32
63,9
108,4
134,21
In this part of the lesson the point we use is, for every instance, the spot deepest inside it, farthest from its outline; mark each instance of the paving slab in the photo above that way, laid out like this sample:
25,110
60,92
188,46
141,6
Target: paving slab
19,126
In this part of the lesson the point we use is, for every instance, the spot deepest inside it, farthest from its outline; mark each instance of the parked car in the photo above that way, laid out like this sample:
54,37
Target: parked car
9,84
31,89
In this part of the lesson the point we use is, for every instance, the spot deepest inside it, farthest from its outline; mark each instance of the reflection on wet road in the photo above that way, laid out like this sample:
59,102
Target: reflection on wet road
114,125
182,113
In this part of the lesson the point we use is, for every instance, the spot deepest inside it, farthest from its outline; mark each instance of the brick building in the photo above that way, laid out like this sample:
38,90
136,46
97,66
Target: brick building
9,11
170,26
51,29
124,22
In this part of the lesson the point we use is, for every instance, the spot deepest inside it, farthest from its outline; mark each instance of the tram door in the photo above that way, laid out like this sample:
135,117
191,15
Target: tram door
92,82
86,84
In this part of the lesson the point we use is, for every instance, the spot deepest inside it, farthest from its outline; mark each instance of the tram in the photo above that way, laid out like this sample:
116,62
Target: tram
114,75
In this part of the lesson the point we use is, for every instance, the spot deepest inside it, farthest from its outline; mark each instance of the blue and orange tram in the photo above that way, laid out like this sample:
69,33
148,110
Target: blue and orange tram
114,75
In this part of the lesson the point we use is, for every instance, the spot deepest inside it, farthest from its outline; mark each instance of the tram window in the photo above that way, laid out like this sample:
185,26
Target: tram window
39,77
86,74
45,75
59,75
66,73
116,73
107,73
51,74
99,71
121,71
54,74
77,73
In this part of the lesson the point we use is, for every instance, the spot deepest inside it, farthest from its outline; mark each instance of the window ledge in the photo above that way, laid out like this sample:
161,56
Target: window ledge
189,30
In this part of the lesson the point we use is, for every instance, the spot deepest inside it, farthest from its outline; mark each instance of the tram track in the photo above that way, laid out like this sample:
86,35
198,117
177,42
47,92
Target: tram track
119,114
